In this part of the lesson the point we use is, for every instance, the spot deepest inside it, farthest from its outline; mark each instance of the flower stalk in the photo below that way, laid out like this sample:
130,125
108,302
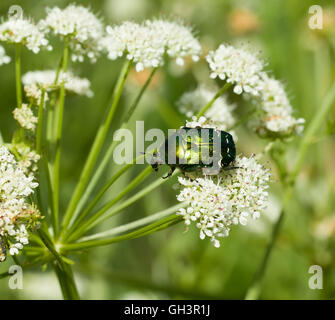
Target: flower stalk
18,74
59,130
210,103
107,156
96,147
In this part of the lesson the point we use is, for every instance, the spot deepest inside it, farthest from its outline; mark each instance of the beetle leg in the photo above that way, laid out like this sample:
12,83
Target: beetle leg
170,173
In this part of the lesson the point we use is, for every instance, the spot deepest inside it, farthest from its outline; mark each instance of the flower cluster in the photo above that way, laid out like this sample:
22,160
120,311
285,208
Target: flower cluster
25,117
147,43
26,157
246,72
217,203
3,57
33,81
220,113
25,32
17,216
80,26
276,119
238,67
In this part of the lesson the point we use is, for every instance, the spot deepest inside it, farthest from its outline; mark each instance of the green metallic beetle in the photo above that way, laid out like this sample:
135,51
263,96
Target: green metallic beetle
189,149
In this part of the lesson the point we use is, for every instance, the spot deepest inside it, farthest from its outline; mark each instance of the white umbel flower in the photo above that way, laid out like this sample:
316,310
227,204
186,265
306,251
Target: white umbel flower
25,32
237,66
139,42
4,59
178,38
46,79
16,215
277,111
217,203
220,113
25,117
146,43
80,26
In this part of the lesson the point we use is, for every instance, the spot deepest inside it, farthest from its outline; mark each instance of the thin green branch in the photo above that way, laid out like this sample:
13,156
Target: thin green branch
135,224
106,187
130,201
56,167
18,75
245,117
51,132
92,221
39,130
255,289
288,181
319,118
96,147
106,158
210,103
166,222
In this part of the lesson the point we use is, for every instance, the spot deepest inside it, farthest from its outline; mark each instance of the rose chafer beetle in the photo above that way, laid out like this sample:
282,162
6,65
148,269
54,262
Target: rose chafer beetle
191,149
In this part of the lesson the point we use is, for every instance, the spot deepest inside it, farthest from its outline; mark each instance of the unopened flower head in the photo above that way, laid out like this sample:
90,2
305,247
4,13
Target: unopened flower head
276,119
217,203
237,66
4,59
25,117
46,79
80,26
25,32
146,43
17,216
34,93
220,113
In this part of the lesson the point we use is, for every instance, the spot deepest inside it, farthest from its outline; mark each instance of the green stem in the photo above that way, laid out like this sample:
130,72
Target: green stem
131,200
39,130
117,209
106,158
138,97
66,281
90,223
255,289
50,246
312,129
135,224
56,167
51,114
159,225
62,269
243,119
288,184
74,223
18,75
95,150
210,103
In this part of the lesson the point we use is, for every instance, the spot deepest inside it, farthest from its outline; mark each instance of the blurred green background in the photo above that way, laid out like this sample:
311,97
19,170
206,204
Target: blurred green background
172,263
